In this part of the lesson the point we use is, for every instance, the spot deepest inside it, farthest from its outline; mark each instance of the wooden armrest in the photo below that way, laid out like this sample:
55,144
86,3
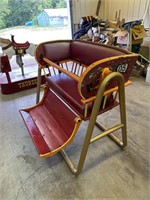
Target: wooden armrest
49,62
109,91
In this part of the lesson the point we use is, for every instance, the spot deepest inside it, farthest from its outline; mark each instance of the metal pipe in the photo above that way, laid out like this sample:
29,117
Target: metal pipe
108,131
68,161
38,85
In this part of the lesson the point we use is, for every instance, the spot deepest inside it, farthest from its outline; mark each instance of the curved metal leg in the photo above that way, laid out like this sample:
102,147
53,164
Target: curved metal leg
88,138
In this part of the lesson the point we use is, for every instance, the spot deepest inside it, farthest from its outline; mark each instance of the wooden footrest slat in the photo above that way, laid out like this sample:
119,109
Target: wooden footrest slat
52,125
37,138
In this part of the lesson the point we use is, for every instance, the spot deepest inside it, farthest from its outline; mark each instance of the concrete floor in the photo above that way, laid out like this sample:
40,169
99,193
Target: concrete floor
109,173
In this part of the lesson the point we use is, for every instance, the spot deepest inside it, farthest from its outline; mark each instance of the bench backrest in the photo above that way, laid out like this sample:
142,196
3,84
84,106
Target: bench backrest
53,50
84,52
88,52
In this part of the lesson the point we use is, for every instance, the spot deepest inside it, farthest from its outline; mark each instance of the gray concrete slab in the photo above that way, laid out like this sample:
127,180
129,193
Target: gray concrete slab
109,173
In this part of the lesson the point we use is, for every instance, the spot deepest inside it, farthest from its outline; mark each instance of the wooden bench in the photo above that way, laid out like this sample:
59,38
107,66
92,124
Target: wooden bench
84,80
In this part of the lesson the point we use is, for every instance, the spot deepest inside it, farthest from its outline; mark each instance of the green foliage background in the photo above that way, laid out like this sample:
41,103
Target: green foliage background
18,12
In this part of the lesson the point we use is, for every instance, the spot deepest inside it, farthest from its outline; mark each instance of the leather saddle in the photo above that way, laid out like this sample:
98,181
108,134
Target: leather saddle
19,47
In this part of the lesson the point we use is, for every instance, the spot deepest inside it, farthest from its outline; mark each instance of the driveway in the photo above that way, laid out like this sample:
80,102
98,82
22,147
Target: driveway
37,35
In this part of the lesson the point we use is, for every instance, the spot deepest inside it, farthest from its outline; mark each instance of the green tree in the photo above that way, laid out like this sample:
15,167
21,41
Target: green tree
18,12
59,4
42,4
4,12
62,4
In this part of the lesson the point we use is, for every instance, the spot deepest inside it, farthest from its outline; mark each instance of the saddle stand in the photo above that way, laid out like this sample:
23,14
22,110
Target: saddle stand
20,50
11,80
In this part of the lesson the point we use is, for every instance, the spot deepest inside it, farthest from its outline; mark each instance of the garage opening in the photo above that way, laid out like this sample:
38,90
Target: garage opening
36,21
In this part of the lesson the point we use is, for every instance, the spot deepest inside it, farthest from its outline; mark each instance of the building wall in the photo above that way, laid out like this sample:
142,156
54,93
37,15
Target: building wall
43,19
128,9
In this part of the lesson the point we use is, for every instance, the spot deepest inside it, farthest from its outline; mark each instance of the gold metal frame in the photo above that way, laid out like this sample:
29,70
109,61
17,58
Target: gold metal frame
92,122
120,91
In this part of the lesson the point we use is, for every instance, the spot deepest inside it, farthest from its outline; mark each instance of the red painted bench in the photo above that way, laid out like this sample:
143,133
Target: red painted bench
84,80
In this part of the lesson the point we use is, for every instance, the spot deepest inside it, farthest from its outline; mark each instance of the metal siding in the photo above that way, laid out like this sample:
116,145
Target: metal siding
147,16
129,14
130,9
83,8
142,8
136,6
76,11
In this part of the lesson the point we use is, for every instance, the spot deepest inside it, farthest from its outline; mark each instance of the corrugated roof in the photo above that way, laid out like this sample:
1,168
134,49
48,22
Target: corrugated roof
59,12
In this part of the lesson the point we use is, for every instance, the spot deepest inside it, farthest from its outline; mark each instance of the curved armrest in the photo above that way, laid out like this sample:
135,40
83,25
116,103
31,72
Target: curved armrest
49,62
